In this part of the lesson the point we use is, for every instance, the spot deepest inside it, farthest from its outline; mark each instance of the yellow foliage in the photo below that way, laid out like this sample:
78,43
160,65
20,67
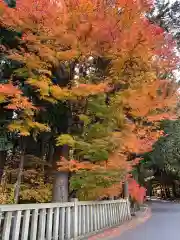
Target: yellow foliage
24,127
6,195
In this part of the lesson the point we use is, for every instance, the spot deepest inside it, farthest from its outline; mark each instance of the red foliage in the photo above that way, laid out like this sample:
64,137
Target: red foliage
9,90
136,192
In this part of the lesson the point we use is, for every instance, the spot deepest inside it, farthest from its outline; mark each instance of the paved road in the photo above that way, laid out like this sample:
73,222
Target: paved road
163,225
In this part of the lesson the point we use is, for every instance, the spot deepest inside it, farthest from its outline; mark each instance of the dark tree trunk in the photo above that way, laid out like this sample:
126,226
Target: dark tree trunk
61,178
150,189
140,171
174,189
3,155
166,191
20,171
50,151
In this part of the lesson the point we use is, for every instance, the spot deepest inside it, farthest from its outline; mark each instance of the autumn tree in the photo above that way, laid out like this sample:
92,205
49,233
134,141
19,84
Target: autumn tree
166,15
93,72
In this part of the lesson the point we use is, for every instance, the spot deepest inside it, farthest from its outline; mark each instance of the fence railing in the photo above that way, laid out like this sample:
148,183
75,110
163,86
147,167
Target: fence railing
60,221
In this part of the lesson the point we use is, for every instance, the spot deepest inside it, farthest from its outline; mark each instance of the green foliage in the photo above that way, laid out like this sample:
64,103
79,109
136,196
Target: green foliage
85,119
96,142
65,139
21,72
166,151
11,3
87,183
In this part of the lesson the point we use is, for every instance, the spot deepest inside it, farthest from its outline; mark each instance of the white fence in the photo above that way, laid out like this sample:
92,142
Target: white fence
60,221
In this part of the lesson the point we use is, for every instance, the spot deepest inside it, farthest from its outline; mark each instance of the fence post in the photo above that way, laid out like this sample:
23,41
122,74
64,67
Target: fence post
0,224
126,197
75,227
128,209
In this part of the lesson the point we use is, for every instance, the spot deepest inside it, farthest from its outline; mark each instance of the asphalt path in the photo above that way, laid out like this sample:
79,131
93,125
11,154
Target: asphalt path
164,224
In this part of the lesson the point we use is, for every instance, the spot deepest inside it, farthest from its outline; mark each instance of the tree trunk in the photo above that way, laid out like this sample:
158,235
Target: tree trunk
20,171
140,177
148,186
125,190
61,179
60,187
50,152
174,189
164,191
168,194
3,155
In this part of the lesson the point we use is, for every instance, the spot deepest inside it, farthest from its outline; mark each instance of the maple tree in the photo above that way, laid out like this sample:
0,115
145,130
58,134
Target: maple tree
97,69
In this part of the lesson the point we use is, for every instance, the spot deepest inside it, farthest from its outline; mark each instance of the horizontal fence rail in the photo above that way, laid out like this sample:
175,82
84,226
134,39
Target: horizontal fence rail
60,221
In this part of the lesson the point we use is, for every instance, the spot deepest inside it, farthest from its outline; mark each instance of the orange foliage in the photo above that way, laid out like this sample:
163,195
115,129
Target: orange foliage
113,190
13,95
74,166
82,90
9,90
88,28
138,138
115,161
20,103
14,99
151,97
